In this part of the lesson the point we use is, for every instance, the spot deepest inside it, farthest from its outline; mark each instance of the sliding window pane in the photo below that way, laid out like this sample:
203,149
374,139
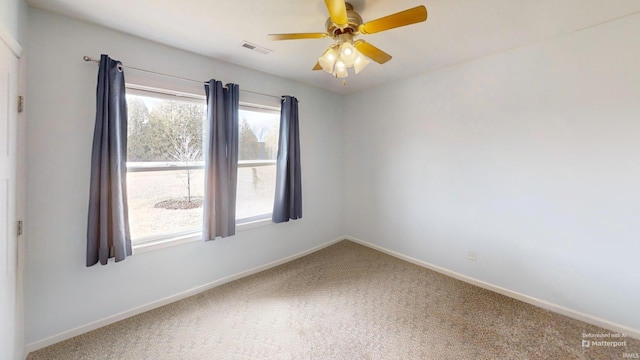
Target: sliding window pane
164,132
256,189
257,153
165,202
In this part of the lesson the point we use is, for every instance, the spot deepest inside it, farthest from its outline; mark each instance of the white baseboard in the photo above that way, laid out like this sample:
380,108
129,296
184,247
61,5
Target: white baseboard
589,319
36,345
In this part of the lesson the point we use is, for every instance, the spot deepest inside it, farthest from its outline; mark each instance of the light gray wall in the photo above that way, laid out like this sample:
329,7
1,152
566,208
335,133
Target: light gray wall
61,293
13,17
528,157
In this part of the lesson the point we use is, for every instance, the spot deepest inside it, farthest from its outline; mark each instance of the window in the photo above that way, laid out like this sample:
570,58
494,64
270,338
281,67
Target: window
257,152
165,162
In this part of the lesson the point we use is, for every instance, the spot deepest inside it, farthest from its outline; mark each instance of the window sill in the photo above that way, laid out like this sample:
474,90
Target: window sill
166,242
254,224
170,241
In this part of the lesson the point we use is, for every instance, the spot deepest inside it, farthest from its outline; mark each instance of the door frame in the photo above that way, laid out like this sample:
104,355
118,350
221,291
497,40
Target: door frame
20,189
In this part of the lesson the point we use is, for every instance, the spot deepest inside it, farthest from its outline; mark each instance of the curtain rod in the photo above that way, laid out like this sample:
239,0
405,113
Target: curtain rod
87,58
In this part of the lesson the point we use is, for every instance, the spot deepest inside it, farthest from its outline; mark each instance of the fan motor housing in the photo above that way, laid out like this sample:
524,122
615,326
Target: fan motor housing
353,22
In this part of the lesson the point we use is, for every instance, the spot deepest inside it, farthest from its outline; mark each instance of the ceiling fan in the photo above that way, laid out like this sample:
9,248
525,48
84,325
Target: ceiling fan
343,26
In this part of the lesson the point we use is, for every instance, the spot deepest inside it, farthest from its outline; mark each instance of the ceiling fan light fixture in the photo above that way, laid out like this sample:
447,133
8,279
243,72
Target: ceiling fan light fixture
340,57
360,63
328,60
348,53
341,71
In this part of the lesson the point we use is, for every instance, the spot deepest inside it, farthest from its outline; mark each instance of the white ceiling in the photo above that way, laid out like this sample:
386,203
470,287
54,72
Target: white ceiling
456,31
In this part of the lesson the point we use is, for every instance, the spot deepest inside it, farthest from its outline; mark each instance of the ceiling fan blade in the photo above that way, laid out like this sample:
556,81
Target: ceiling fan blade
372,52
337,11
317,67
297,36
407,17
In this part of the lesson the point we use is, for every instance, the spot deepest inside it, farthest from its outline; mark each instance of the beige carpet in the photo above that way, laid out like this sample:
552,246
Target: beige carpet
343,302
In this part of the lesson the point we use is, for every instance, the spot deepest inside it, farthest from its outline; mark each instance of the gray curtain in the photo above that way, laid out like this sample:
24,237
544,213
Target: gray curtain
221,160
108,226
288,199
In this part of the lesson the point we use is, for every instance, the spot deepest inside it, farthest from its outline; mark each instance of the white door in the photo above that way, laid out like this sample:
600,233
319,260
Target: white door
8,228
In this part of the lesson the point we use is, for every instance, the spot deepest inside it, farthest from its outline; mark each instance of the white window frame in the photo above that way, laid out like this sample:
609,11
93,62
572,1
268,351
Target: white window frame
163,241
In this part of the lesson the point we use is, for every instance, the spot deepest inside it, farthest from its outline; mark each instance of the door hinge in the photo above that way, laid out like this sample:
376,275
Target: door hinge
20,104
20,225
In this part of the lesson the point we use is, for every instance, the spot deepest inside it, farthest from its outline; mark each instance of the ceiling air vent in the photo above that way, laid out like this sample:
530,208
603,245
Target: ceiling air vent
256,48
